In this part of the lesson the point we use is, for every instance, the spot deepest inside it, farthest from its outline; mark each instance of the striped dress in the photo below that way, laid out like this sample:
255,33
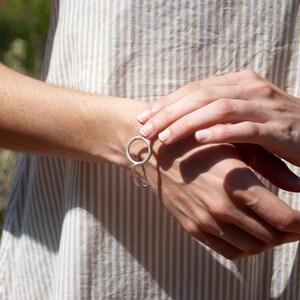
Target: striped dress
78,230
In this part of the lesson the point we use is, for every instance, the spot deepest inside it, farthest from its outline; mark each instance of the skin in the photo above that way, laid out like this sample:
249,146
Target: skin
235,108
199,184
218,200
40,118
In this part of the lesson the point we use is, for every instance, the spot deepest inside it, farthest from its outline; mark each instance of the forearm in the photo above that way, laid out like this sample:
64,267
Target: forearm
36,117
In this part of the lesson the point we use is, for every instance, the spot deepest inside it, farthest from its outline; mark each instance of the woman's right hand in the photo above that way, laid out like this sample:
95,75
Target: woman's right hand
218,199
239,107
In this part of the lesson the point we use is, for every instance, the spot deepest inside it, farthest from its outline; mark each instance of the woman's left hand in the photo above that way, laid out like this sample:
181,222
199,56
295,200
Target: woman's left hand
235,108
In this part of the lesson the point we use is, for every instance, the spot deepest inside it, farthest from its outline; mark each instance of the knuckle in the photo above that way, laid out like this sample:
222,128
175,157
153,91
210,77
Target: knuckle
221,210
191,86
287,131
186,123
161,104
202,220
230,76
237,191
204,93
192,228
253,129
264,89
166,114
275,239
206,222
285,223
224,106
234,77
224,132
169,205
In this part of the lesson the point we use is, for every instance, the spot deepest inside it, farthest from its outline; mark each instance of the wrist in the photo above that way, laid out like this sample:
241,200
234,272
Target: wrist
126,126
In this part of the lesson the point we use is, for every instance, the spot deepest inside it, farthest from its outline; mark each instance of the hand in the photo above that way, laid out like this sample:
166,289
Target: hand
234,108
218,200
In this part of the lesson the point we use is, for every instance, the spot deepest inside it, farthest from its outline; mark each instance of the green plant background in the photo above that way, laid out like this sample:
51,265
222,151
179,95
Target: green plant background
23,33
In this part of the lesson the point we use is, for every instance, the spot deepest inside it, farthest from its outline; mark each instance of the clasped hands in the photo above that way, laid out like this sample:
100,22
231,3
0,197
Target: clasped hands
212,133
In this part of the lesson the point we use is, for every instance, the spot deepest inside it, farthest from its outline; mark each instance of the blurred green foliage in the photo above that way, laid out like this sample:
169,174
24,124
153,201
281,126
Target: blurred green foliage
23,33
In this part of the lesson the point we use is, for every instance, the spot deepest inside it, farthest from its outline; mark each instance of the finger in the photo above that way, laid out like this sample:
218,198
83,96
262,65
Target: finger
251,193
229,79
239,215
269,166
220,246
276,212
218,112
191,105
227,240
234,223
225,80
267,236
242,240
211,240
243,78
233,235
243,132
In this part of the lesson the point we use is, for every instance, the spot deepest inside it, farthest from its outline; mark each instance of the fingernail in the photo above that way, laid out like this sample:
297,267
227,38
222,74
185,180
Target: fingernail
163,136
203,135
147,129
142,117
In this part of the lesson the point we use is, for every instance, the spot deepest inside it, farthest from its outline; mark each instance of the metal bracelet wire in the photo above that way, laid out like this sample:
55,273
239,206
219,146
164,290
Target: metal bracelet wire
138,179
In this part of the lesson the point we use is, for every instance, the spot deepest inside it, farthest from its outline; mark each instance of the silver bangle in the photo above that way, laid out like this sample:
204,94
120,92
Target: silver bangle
137,179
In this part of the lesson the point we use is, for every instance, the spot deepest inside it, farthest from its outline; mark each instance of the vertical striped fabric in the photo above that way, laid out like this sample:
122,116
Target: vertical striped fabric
79,230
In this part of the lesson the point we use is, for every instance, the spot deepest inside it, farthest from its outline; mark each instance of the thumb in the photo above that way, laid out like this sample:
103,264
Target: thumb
269,166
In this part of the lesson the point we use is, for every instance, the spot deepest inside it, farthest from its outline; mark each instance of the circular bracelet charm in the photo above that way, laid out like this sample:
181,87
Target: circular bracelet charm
128,155
138,180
